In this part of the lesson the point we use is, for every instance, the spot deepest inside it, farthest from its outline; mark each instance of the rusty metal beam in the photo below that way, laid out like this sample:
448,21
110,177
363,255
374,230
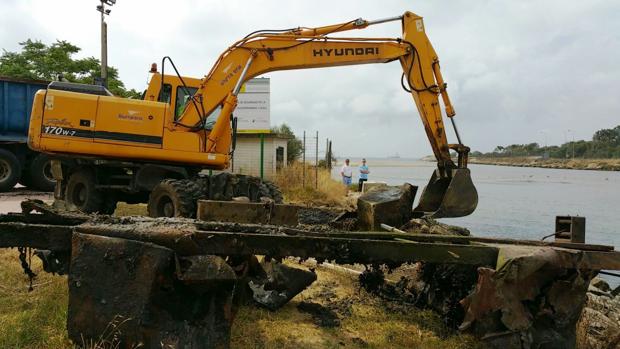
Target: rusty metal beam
340,250
41,236
359,247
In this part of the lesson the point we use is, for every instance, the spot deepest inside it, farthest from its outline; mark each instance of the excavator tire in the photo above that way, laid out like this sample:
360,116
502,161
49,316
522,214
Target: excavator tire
225,186
109,205
174,198
39,174
178,198
274,192
82,194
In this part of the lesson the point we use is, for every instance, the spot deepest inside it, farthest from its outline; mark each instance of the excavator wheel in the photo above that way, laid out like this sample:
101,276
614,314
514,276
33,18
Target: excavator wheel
40,173
82,194
179,197
224,186
274,192
109,205
174,198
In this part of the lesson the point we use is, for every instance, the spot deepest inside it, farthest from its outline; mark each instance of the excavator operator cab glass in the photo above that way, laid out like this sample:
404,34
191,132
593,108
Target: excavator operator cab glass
212,118
184,94
164,94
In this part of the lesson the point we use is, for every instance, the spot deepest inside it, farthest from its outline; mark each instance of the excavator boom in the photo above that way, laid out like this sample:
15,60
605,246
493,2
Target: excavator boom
449,193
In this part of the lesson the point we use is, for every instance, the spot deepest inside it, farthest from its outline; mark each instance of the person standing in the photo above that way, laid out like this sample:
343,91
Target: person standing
363,174
347,173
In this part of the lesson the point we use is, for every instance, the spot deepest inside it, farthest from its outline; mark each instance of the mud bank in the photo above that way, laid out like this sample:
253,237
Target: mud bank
570,164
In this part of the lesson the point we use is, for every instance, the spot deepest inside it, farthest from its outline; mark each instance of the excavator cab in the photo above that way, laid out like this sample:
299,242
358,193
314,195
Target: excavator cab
450,192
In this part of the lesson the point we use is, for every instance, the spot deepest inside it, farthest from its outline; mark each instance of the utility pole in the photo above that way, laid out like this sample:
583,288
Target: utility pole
104,40
572,144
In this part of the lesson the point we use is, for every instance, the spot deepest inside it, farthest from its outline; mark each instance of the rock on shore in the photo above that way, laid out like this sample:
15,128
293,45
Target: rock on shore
599,325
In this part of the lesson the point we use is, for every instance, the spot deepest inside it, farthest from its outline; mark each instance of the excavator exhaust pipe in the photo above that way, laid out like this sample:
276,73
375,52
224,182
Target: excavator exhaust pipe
451,195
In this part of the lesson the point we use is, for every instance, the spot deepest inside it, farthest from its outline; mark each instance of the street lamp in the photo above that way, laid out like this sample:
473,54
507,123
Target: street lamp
104,40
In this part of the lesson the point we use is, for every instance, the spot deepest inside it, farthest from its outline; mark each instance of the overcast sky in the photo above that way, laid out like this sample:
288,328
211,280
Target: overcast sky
517,71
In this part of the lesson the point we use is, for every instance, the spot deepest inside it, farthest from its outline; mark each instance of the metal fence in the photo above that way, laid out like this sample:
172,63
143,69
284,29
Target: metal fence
316,152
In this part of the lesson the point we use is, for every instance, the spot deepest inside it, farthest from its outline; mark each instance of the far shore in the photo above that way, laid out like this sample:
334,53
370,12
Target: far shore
570,164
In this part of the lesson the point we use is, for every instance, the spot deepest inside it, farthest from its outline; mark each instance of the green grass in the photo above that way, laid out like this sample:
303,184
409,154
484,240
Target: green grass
31,319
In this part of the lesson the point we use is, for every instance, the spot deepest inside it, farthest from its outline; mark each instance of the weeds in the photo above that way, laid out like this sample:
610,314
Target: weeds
110,338
297,190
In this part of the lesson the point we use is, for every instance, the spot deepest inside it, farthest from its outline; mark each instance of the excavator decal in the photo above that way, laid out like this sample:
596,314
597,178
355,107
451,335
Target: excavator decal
359,51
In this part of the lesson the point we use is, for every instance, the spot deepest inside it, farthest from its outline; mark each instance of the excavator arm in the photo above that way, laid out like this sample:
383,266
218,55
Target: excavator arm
450,192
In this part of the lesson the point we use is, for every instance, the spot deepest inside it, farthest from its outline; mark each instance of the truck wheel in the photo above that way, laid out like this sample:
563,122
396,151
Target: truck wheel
174,198
40,173
82,194
109,205
10,170
25,179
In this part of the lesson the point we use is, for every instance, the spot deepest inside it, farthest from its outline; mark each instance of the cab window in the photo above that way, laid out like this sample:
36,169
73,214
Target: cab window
212,118
184,94
164,94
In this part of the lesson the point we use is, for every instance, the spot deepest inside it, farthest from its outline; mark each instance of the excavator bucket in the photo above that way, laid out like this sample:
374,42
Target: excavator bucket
449,196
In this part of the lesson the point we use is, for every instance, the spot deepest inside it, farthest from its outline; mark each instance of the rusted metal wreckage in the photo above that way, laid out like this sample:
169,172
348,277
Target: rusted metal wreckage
175,282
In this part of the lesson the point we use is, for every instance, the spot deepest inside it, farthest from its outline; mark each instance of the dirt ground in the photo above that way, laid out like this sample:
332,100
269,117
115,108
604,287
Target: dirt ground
9,202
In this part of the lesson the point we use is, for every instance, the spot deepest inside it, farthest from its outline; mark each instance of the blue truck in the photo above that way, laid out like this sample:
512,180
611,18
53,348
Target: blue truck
19,164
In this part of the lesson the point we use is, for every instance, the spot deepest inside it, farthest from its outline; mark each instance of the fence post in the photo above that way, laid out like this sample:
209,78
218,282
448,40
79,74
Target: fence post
262,156
329,157
316,162
304,162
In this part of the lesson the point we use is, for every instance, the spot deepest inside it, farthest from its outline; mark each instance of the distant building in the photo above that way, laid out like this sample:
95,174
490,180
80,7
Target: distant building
247,156
253,115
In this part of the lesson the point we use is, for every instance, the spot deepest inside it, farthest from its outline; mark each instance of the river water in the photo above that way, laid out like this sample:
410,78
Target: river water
522,202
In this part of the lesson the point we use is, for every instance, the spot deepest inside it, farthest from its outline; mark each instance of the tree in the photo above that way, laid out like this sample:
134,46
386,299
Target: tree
38,61
294,145
608,136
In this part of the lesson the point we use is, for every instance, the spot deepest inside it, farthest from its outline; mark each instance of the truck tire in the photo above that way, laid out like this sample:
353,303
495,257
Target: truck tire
109,205
174,198
10,170
25,179
82,194
40,174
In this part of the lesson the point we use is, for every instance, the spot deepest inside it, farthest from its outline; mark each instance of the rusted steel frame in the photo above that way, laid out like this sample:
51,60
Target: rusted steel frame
258,228
339,250
270,229
588,260
41,236
469,239
43,219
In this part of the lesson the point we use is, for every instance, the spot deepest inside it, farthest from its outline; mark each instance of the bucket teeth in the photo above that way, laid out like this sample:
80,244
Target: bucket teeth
449,196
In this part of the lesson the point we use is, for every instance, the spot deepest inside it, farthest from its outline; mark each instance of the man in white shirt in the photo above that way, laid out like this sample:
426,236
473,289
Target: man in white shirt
347,173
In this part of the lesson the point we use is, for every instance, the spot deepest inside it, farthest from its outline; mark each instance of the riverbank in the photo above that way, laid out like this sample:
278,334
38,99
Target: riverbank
571,164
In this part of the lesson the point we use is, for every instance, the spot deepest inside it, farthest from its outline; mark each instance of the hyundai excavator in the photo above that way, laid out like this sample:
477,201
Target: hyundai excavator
113,149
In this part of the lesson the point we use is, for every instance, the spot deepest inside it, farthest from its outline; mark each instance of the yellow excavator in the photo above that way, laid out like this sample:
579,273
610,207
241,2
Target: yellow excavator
113,149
